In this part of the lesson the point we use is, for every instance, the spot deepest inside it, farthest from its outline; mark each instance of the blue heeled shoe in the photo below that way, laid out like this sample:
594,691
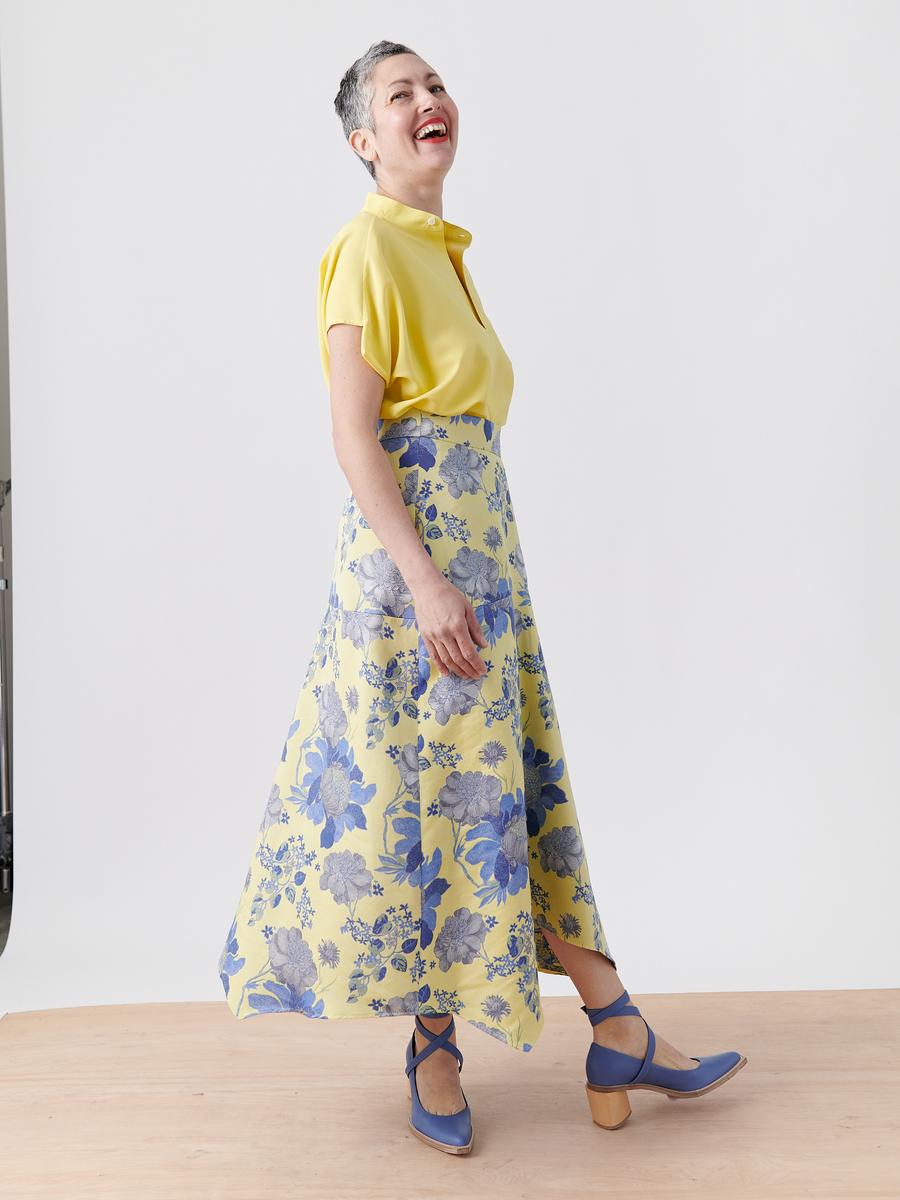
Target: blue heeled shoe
611,1075
452,1132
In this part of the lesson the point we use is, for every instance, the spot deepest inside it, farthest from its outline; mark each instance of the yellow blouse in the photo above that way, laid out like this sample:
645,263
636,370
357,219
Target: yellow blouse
398,272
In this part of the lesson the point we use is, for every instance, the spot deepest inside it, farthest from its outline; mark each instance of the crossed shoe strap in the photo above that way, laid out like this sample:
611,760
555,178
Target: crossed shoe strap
622,1008
437,1041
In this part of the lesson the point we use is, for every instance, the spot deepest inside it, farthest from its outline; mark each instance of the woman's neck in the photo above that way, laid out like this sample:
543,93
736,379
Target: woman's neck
425,197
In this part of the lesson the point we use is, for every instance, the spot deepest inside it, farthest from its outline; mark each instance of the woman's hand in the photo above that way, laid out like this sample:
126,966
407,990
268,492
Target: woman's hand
449,627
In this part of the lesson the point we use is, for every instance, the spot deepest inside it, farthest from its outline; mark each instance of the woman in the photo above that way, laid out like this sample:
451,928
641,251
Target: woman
420,852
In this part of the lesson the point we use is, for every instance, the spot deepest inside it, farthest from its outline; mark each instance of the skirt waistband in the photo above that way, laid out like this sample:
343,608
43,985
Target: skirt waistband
466,430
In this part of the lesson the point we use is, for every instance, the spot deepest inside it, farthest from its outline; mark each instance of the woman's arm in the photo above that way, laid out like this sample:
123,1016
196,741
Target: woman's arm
446,620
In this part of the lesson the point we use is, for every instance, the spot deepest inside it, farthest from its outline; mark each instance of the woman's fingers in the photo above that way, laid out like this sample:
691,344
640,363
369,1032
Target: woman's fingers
451,632
475,627
453,655
434,654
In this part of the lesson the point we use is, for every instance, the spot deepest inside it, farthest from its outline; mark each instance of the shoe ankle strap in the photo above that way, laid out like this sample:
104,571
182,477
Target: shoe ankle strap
619,1008
436,1041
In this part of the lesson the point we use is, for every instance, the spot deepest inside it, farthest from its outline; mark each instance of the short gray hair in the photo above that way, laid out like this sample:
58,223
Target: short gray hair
353,103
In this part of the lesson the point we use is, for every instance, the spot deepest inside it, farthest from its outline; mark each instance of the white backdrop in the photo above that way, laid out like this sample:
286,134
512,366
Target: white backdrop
685,233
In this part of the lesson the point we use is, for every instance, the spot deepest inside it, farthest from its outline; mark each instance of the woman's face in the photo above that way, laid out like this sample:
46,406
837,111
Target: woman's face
415,121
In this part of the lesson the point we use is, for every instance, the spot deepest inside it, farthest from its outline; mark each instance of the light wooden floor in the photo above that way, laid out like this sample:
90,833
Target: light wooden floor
172,1101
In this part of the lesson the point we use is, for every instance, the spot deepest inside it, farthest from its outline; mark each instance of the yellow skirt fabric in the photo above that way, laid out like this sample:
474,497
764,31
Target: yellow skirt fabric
421,831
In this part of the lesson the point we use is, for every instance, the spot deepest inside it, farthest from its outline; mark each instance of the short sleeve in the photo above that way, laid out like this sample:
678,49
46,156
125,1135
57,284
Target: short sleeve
353,290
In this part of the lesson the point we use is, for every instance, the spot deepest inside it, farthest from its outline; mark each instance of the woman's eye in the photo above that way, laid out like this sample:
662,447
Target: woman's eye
396,94
438,87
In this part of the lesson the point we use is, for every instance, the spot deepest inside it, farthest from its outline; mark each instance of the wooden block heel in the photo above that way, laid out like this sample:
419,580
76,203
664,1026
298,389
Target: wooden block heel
610,1110
610,1074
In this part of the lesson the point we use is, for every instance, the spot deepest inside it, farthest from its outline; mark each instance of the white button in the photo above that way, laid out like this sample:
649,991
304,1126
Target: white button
431,220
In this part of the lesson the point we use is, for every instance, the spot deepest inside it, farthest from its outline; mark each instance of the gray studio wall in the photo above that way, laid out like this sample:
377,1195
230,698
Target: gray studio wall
684,220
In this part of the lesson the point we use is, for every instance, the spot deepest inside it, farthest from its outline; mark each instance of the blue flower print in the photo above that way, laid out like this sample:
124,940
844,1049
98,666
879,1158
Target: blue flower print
541,790
381,582
335,791
420,447
229,963
561,851
407,857
496,611
468,797
461,938
344,874
474,573
408,865
433,888
501,846
453,696
461,470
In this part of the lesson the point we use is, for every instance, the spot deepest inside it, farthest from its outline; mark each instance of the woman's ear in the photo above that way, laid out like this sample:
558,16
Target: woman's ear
363,142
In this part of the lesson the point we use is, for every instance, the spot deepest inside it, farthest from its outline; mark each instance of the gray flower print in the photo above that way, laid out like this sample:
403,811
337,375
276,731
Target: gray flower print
291,959
495,1007
361,627
489,1029
470,797
493,538
399,1005
410,487
492,753
334,790
329,955
542,923
408,766
408,427
474,573
518,561
460,939
352,697
453,696
514,842
344,874
332,718
569,926
461,470
274,805
382,583
561,851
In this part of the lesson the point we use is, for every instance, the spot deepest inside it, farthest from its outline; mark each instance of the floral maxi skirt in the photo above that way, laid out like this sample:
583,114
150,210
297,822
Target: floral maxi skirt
421,831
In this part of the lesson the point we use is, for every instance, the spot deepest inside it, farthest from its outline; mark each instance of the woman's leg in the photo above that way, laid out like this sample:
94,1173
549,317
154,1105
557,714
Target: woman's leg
437,1076
599,985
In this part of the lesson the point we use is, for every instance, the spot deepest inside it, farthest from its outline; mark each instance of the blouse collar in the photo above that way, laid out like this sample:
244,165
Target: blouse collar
414,219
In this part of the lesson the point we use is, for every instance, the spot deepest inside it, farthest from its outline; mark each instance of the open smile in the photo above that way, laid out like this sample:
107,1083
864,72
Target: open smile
432,131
